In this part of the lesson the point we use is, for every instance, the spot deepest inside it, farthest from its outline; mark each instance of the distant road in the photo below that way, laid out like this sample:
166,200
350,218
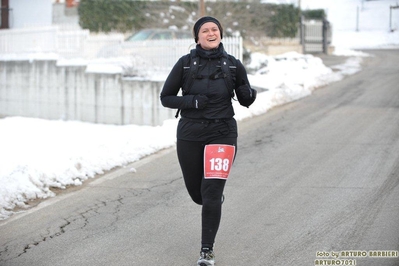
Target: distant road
312,177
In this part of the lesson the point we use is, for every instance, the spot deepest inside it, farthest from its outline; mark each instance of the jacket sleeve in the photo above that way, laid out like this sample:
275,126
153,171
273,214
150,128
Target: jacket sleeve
245,94
169,94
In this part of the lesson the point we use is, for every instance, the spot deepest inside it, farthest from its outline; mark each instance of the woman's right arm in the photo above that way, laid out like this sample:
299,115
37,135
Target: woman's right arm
171,88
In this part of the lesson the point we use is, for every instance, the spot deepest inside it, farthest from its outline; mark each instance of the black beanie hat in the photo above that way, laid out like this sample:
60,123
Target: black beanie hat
201,22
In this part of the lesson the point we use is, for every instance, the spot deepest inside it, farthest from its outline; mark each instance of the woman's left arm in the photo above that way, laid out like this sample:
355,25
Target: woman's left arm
245,94
241,75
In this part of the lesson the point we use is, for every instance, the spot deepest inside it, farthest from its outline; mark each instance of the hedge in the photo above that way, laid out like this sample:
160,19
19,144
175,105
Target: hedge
114,15
251,19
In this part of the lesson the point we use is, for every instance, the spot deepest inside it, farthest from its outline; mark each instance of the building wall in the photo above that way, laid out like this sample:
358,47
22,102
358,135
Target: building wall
30,13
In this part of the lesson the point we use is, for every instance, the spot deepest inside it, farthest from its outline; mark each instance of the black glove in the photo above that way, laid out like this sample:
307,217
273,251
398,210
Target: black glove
245,95
200,101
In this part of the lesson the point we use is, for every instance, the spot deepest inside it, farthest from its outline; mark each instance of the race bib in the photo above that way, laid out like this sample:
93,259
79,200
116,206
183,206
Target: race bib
218,159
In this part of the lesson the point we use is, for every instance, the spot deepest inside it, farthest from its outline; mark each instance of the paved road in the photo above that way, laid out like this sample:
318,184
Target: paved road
317,175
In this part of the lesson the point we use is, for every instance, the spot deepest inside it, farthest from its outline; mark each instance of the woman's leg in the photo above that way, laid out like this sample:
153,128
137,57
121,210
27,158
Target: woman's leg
206,192
212,191
190,155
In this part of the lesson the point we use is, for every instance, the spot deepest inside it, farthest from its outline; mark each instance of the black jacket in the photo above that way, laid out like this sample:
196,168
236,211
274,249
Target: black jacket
219,105
218,102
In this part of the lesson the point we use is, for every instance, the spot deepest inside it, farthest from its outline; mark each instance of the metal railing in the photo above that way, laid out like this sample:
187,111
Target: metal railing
54,39
317,35
162,54
77,43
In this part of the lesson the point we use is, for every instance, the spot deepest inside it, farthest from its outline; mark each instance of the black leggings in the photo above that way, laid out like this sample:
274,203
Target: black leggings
205,192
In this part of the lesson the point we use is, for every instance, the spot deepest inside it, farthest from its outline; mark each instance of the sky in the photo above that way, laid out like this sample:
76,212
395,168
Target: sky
37,155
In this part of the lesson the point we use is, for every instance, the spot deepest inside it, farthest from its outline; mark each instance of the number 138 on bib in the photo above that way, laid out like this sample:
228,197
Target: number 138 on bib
218,159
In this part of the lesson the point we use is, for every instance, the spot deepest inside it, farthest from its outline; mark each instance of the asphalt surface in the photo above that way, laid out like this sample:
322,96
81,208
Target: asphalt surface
315,180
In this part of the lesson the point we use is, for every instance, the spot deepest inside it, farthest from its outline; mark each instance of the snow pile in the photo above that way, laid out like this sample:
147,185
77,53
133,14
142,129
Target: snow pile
38,154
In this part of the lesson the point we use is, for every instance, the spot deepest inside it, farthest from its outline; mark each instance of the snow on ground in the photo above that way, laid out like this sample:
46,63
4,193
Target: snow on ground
38,154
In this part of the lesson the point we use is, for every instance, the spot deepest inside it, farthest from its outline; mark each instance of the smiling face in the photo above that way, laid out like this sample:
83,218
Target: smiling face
209,36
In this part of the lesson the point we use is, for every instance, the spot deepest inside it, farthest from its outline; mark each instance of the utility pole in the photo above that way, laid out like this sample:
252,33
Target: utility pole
390,16
4,9
201,8
301,30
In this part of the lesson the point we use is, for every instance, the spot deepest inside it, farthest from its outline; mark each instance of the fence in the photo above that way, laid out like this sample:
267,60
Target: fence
35,40
162,54
316,36
69,43
66,43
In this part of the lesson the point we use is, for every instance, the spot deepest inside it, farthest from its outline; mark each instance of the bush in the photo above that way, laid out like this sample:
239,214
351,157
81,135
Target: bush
106,16
284,22
250,19
318,14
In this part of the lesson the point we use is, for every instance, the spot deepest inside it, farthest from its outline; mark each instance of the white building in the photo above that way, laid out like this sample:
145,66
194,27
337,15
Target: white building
23,13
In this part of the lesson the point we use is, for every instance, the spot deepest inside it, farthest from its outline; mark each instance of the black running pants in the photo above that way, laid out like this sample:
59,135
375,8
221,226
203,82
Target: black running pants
205,192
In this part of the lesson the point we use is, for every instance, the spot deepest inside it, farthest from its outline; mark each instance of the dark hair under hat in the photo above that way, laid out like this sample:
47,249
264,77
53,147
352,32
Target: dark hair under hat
201,22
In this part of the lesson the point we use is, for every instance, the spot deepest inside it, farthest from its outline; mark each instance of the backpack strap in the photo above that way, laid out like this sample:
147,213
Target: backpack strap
228,79
193,68
192,65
